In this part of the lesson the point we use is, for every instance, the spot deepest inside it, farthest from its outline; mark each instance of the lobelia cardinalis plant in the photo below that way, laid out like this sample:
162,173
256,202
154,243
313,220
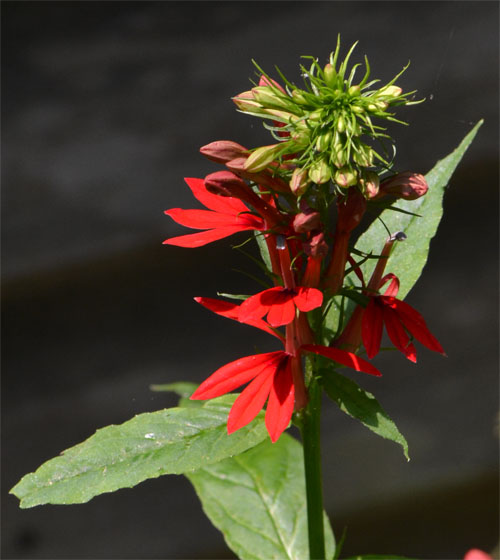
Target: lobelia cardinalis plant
343,238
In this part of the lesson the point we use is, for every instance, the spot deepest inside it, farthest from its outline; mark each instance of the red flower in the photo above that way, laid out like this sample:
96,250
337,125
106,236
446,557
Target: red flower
279,304
399,319
270,376
225,216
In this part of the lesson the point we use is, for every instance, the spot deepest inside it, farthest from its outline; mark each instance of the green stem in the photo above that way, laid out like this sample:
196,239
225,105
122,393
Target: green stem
310,429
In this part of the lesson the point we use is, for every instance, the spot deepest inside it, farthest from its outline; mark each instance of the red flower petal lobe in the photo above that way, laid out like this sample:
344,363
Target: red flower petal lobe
307,299
251,400
234,374
281,401
398,335
371,327
417,326
342,357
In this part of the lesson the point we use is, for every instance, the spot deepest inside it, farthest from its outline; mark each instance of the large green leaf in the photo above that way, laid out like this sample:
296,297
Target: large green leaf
171,441
408,258
362,405
257,499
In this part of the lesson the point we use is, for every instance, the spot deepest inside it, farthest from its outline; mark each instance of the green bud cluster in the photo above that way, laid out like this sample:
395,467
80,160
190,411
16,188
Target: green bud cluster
327,129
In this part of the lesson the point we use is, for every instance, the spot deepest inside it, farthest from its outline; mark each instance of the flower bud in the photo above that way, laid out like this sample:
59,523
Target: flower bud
346,177
225,183
341,124
316,246
260,158
246,103
263,178
222,151
298,97
299,181
323,141
269,98
407,185
354,90
390,91
320,172
306,221
369,183
264,81
330,76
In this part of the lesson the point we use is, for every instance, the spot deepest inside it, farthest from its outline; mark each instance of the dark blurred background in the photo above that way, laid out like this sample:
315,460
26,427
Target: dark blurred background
105,105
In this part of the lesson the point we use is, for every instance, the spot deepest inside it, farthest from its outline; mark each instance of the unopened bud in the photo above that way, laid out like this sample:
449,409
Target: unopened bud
407,185
370,184
354,90
268,97
263,178
320,172
390,91
323,141
316,246
264,81
364,156
330,75
341,124
298,97
246,102
260,158
306,221
222,151
225,183
346,177
299,181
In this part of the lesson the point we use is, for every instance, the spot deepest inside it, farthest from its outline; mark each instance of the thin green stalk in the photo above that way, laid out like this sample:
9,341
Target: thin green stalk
310,428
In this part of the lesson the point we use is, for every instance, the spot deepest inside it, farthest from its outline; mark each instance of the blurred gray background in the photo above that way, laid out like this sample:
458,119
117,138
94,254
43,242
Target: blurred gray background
104,108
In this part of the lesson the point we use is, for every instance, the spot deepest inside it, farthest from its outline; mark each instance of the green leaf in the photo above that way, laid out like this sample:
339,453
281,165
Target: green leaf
408,258
361,404
257,500
171,441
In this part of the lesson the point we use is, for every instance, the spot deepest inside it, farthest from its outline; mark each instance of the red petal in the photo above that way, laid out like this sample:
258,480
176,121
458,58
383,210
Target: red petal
203,237
393,288
258,305
224,204
250,402
398,335
308,298
282,312
234,374
231,311
371,327
342,357
281,400
415,324
206,219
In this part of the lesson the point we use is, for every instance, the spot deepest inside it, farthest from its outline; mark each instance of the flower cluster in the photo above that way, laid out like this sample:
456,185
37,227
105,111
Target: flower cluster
304,196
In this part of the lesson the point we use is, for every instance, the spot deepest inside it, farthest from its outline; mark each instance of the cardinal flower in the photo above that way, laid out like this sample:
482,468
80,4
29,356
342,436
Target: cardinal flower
269,377
279,304
225,216
399,319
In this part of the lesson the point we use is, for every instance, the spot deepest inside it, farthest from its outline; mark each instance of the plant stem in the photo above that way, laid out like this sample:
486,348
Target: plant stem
310,429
